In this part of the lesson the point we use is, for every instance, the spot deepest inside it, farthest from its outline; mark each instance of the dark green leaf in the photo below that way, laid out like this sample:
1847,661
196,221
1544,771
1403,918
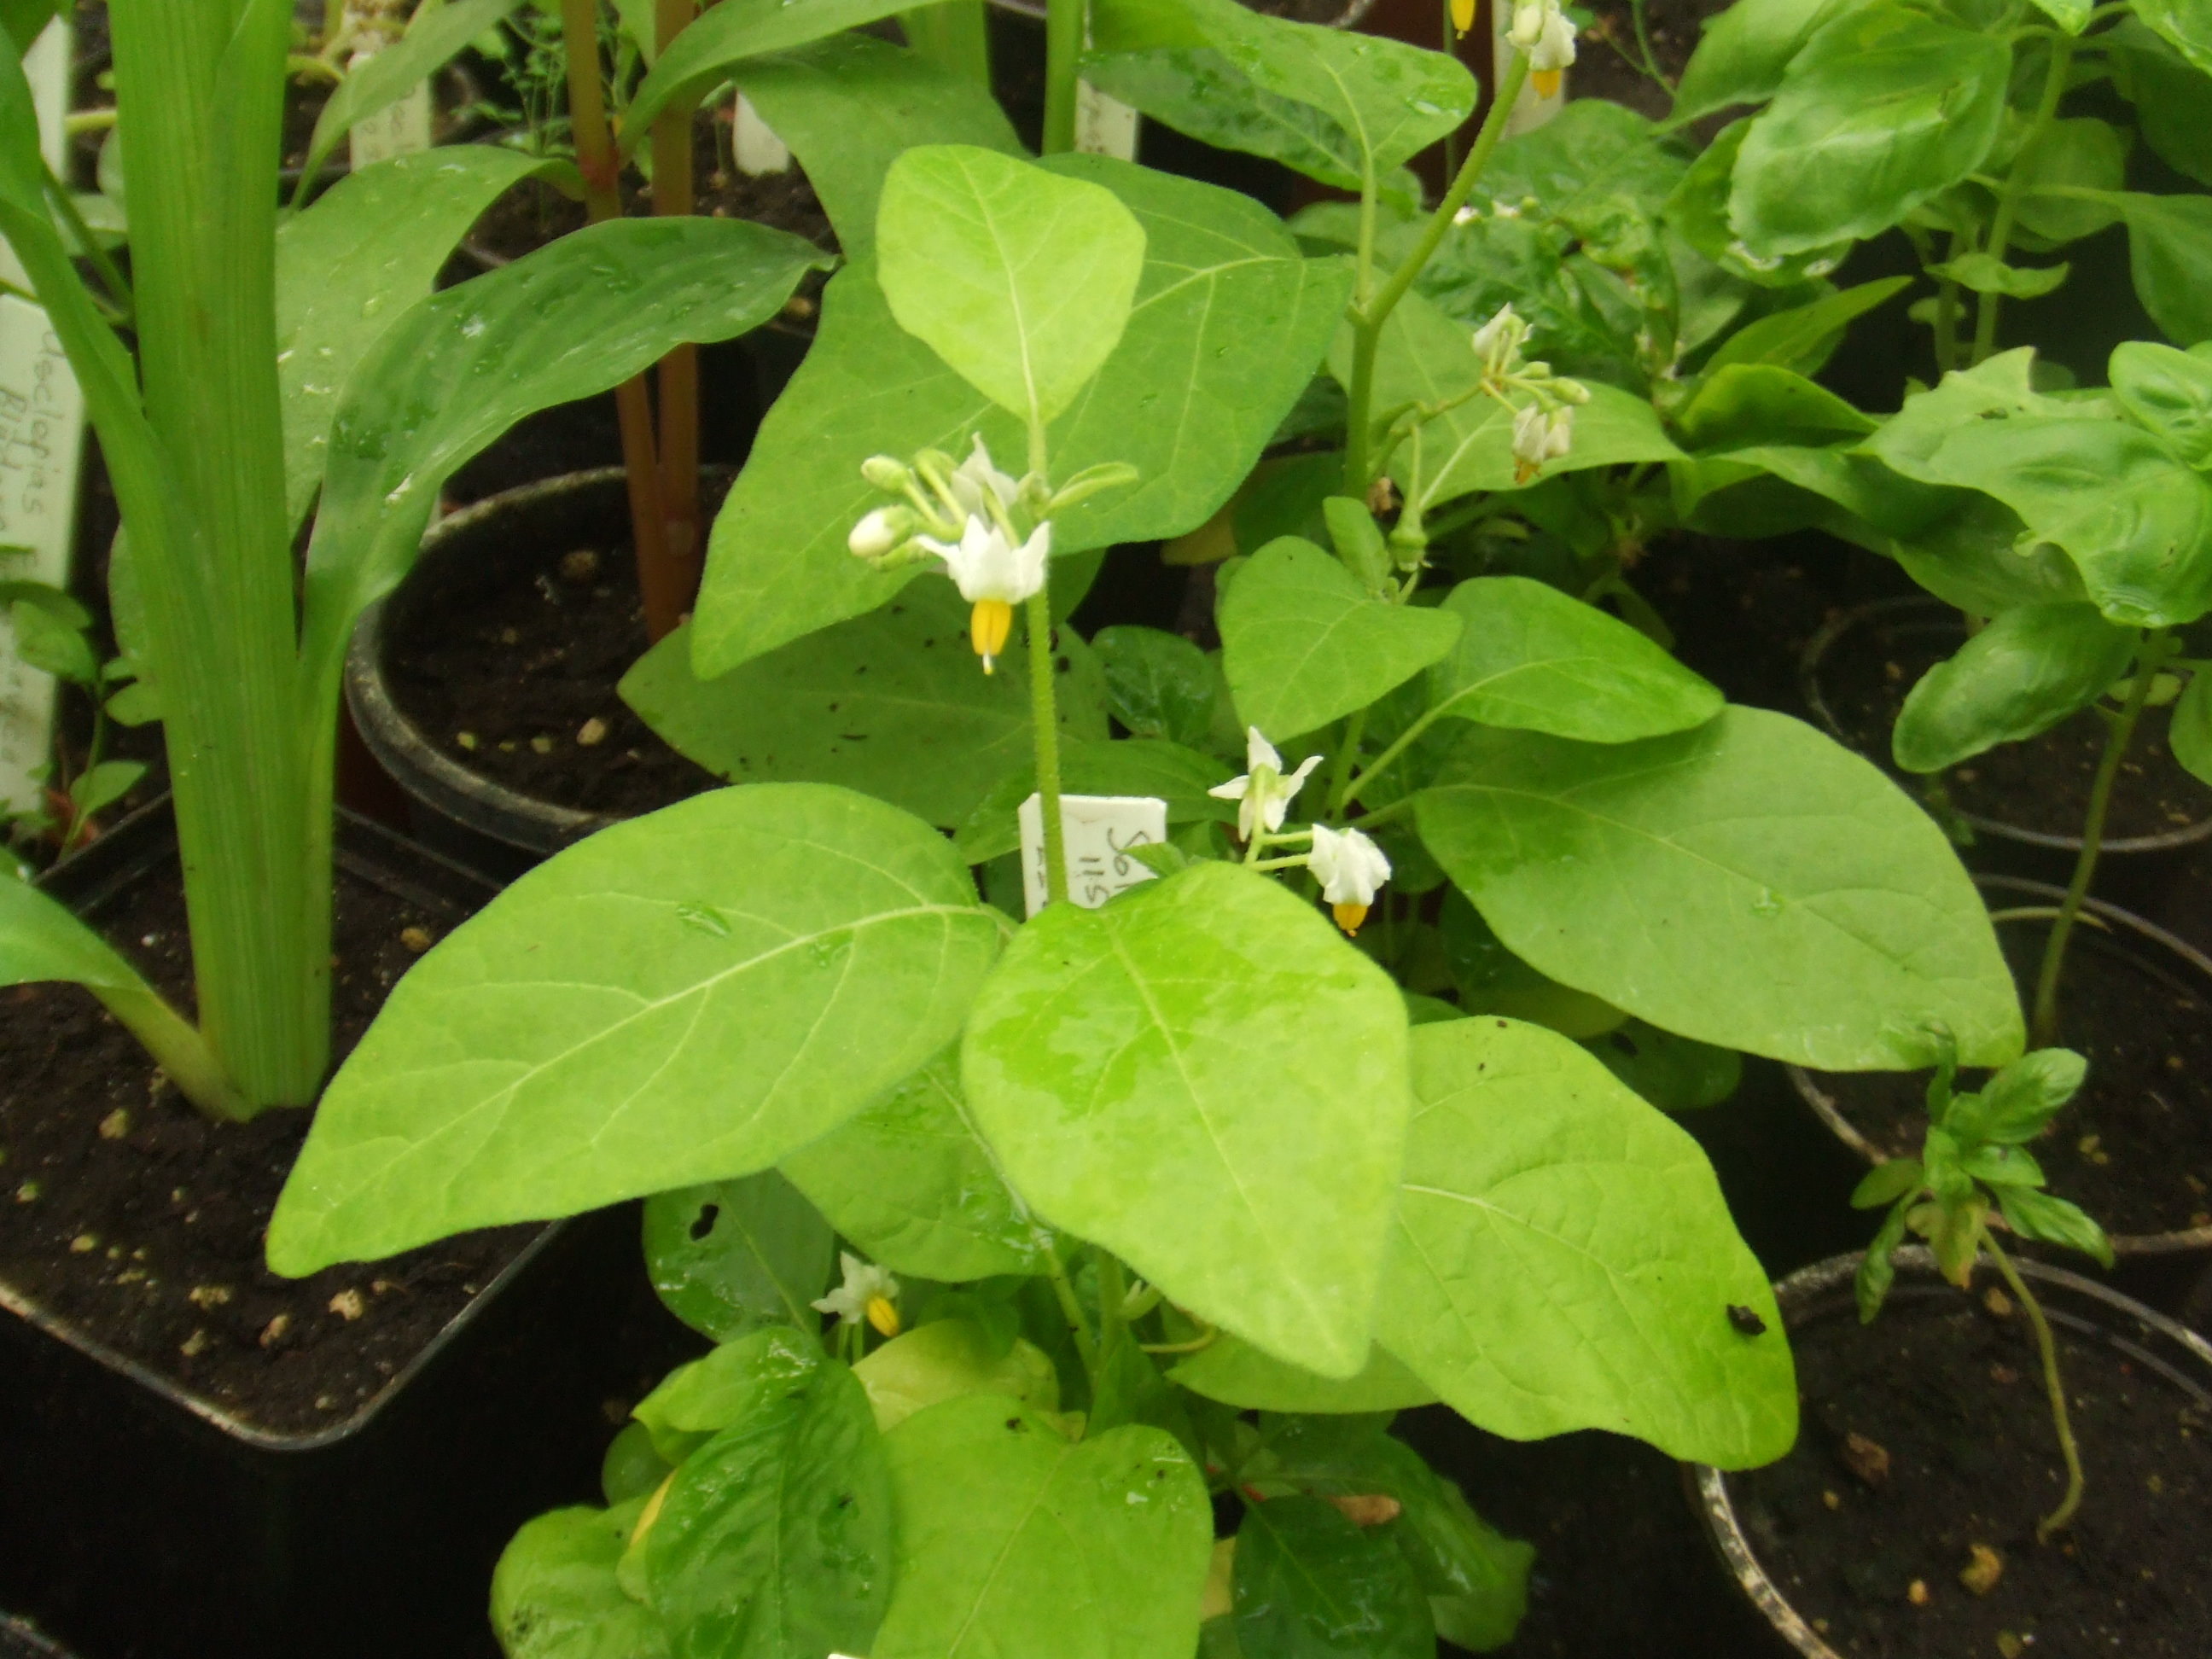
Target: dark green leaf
1310,1585
45,642
633,1467
24,21
2190,733
2169,248
102,785
2073,154
2184,24
2018,676
1742,404
1699,212
554,1595
2001,1166
1877,1270
1158,684
1491,980
2172,101
731,32
1984,273
732,1255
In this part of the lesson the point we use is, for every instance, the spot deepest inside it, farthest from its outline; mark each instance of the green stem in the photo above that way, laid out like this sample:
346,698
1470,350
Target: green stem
1112,1291
1045,717
1651,65
1344,796
1339,774
2054,88
2053,1384
2043,1024
177,1049
1071,1308
1064,30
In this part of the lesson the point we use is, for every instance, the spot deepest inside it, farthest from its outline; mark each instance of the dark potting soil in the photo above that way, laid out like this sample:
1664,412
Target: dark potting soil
1743,612
2134,1148
1608,62
128,1214
1953,1394
519,687
2042,784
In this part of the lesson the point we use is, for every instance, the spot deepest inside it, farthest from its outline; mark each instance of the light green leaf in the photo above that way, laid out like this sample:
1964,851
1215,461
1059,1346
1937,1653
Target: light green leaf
2018,676
1228,325
947,1359
894,704
775,1539
2071,15
1337,105
1802,338
1019,278
1204,1078
1531,656
686,997
1744,403
1011,1541
44,642
2189,735
1999,389
2055,1221
40,939
1743,53
1563,1258
1984,273
1237,1374
350,266
2169,248
1883,107
1749,884
1137,766
2169,392
732,1255
1697,211
99,787
1304,643
726,35
1491,980
554,1595
2184,24
1312,1584
434,36
908,1181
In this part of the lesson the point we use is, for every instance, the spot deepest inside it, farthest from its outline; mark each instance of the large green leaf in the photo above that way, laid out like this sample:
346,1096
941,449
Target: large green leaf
1749,884
2185,25
1203,1077
1531,656
1564,1259
1744,51
1158,684
2169,247
947,1359
24,21
2020,675
1304,643
1311,1584
1237,1374
350,266
2170,392
1229,323
2084,154
2173,99
1013,1540
1335,104
1741,403
433,37
894,703
685,997
1804,338
908,1180
730,1256
554,1595
774,1541
1883,107
1018,276
727,34
1999,389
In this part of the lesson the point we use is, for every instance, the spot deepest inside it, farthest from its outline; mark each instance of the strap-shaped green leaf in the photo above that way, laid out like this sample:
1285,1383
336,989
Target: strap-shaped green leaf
726,34
684,998
434,37
2026,670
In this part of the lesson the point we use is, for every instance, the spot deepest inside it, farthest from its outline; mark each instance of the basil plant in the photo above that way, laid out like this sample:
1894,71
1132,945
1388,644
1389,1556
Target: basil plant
1085,1179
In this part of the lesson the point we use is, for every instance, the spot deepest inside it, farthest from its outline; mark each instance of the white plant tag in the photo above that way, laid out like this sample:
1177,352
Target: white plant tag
1104,125
1100,831
1531,109
754,143
399,129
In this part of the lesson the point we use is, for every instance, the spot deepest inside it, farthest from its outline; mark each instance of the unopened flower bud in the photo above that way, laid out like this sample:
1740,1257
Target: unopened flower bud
885,472
881,531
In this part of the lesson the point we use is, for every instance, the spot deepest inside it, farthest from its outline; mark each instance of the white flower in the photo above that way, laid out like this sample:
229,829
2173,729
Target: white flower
1349,867
1498,342
867,1293
1263,794
1541,31
976,482
1558,432
1531,442
993,576
880,531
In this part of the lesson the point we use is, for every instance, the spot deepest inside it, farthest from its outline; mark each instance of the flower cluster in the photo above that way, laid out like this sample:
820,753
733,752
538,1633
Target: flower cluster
1541,30
1349,866
1544,426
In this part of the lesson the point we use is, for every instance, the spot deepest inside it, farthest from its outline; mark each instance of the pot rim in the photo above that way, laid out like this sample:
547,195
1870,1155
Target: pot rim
1717,1511
1809,685
1823,1105
152,820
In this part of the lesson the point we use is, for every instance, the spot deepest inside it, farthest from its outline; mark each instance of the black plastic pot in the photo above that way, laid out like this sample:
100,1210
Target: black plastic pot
1824,1291
141,1521
2133,868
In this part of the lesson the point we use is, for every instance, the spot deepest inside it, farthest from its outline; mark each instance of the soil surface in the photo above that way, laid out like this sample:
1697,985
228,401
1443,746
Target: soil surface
1608,62
519,687
1953,1394
2134,1148
126,1211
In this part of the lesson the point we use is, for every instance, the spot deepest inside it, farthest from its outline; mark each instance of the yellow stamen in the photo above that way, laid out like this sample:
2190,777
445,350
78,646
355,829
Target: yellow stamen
1547,83
1462,16
988,625
1348,917
883,1316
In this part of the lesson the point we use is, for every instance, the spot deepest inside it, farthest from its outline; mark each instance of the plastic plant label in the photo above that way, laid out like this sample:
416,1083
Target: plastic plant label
1100,831
1104,125
754,143
1532,109
400,129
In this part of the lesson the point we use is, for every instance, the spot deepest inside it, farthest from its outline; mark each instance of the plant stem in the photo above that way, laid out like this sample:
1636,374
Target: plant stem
1947,315
1044,716
1065,26
952,35
177,1049
1651,65
1112,1291
1071,1308
1339,774
2054,88
110,277
2043,1026
1367,315
2053,1384
674,197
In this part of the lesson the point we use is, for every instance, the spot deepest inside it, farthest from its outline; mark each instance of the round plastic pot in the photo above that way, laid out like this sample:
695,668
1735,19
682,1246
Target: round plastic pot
1824,1291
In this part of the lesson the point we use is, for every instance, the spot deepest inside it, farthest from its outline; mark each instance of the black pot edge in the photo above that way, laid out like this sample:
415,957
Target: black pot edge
1706,1486
1809,685
128,850
2179,1241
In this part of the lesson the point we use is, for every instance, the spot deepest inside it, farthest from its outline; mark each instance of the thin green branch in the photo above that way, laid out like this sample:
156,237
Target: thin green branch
1044,719
2054,1385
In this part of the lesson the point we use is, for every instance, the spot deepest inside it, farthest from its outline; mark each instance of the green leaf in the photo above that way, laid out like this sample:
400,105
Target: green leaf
1563,1258
1019,278
1984,273
2072,156
1334,104
1531,656
45,642
2001,1166
775,1538
1310,1585
575,318
685,997
102,785
1228,325
1743,53
894,703
1011,1541
1158,684
908,1181
24,21
950,1358
1802,338
2055,1221
2169,246
2017,677
349,267
729,32
1491,980
732,1255
2015,1104
1744,403
2183,24
1237,1374
40,939
1697,211
2173,101
2190,733
1877,1270
1675,1073
2170,392
1750,883
701,1397
1883,109
1204,1078
1888,1182
433,36
633,1467
1305,645
1140,766
554,1594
